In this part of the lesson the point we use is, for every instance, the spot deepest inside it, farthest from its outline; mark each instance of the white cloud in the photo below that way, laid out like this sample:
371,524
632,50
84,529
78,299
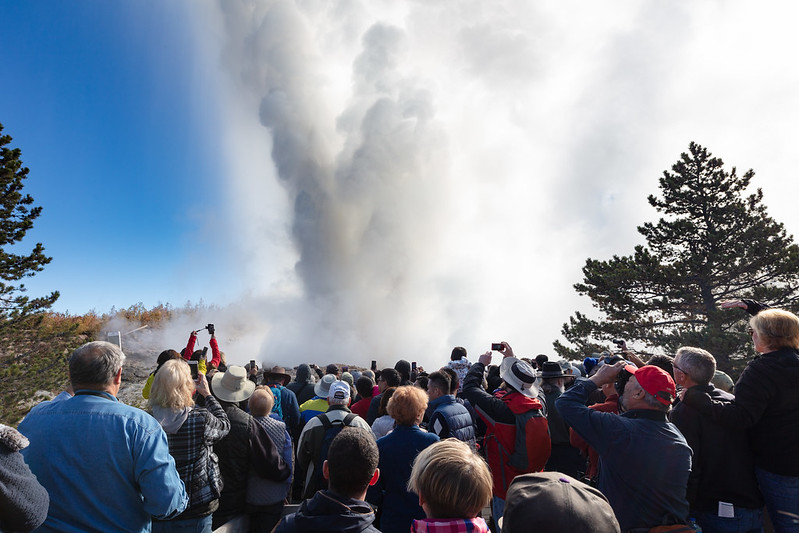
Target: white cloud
441,171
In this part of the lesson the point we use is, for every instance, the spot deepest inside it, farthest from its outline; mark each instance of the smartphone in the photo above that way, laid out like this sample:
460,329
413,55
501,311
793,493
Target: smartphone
413,366
194,372
374,366
496,346
252,363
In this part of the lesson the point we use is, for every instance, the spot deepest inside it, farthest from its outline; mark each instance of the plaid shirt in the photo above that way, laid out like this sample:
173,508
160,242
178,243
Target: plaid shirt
191,447
449,525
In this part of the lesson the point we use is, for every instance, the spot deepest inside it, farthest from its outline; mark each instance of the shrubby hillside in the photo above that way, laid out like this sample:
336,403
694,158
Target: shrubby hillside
34,352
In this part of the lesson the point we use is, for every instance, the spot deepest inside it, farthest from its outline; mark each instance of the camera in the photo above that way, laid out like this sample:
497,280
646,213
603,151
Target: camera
210,328
193,365
621,381
496,346
621,343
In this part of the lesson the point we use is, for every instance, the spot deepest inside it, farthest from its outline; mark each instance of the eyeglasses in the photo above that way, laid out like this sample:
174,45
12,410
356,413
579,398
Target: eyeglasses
750,331
678,368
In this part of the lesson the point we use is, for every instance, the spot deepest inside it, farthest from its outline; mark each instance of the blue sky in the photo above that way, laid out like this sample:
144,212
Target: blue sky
102,99
377,176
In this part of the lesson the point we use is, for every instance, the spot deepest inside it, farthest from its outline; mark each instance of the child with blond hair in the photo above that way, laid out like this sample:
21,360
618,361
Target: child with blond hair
454,485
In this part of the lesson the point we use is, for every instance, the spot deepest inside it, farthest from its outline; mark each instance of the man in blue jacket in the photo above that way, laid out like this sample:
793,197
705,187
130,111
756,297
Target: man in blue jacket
645,459
449,418
106,465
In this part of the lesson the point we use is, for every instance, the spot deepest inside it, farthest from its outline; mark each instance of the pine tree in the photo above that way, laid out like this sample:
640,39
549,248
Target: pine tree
16,218
713,244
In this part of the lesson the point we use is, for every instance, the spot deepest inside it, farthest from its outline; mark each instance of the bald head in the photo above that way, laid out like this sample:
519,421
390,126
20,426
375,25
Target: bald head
261,401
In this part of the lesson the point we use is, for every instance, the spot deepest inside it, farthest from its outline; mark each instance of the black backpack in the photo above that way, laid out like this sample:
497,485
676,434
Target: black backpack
332,428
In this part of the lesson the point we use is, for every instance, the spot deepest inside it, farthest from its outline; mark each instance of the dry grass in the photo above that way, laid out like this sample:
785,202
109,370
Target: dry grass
34,352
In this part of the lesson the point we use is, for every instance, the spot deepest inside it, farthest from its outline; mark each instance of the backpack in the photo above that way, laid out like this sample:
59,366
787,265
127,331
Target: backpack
277,391
332,428
518,459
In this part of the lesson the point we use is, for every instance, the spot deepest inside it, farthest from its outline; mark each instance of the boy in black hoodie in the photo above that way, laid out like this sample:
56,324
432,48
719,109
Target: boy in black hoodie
350,468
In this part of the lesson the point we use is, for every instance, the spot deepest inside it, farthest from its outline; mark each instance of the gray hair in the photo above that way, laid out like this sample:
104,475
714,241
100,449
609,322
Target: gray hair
653,403
95,363
699,364
550,385
339,401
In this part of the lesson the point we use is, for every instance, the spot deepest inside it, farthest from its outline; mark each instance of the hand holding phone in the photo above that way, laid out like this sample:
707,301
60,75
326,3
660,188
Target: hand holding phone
201,384
194,369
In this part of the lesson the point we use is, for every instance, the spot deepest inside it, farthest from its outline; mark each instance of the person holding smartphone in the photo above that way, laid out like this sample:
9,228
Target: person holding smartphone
191,432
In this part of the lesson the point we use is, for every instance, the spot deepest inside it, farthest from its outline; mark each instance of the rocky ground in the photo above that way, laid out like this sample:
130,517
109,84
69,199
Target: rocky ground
134,375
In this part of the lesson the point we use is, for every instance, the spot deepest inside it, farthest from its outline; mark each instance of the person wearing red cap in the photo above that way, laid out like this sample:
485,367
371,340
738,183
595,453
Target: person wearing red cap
645,459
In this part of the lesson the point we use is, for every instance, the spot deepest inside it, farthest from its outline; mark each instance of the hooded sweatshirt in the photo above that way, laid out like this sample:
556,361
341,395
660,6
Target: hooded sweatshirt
302,386
170,419
327,511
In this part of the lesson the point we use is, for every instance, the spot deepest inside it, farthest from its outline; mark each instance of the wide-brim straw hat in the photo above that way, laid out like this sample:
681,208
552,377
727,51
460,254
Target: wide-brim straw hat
519,375
232,385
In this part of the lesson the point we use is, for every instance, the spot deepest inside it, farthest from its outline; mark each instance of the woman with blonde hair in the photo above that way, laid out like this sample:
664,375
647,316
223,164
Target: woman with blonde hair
767,405
454,485
191,432
398,449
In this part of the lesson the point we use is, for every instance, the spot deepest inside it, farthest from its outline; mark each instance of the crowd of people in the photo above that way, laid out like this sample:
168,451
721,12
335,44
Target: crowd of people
612,444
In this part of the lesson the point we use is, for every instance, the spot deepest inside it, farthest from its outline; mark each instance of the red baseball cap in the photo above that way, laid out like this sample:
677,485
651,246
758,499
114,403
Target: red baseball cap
655,381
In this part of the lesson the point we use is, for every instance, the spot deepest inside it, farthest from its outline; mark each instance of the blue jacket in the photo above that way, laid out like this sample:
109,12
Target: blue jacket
288,406
451,419
398,449
645,461
106,464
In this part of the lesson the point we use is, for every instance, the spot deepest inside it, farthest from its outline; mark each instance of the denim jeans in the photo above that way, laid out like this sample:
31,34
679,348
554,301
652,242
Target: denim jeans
190,525
782,500
497,508
745,521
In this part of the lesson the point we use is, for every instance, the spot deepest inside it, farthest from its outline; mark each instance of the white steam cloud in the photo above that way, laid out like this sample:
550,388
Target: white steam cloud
405,177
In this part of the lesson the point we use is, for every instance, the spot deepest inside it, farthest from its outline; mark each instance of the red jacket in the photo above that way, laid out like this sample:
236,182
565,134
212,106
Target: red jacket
501,417
216,356
361,407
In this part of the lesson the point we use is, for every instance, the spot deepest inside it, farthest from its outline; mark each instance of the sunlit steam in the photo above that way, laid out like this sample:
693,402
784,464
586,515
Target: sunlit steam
404,177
